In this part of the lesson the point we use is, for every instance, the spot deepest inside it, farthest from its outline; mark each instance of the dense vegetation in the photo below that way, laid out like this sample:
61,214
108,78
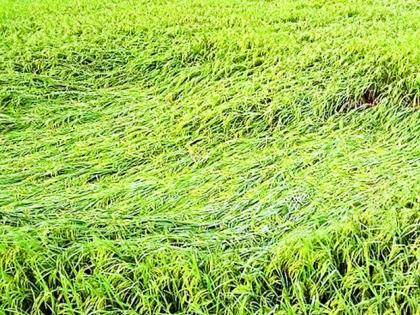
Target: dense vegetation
209,157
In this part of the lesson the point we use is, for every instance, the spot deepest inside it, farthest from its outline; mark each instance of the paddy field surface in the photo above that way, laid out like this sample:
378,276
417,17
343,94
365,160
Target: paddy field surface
210,157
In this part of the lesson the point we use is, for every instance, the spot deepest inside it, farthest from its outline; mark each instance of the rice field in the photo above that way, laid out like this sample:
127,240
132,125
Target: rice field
210,157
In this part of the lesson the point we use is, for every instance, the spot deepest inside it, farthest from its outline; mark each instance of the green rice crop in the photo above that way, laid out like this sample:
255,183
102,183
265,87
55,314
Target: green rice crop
209,157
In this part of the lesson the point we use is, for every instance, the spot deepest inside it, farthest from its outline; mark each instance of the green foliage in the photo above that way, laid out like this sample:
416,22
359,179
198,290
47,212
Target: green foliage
209,157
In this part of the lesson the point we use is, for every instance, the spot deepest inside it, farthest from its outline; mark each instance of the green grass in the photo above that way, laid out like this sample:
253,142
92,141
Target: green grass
210,157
